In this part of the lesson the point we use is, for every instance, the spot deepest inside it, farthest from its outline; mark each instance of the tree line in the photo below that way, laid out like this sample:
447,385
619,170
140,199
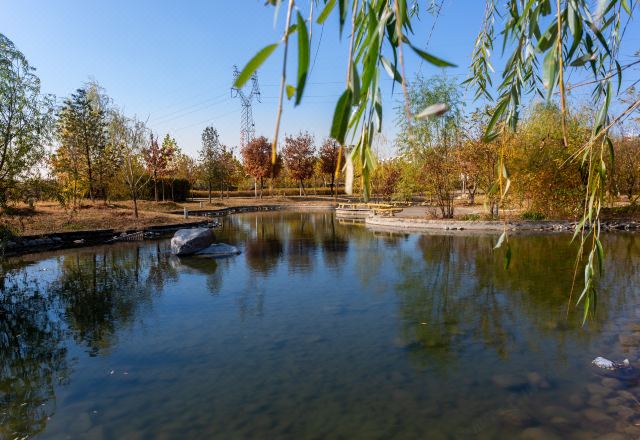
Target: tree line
101,153
87,147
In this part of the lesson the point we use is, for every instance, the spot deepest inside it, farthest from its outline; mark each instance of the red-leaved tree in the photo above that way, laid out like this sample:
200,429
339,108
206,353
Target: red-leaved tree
156,159
329,153
299,157
256,160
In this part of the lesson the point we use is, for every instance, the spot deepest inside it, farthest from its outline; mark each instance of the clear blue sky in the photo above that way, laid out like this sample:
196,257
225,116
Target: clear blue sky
171,61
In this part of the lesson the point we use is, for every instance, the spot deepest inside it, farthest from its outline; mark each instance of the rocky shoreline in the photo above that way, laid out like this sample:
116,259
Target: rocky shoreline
418,224
46,242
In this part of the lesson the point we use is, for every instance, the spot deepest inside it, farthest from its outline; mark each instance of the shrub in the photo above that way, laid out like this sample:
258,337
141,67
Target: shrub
532,215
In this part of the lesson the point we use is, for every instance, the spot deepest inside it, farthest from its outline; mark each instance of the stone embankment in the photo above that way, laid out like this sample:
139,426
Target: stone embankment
61,240
418,224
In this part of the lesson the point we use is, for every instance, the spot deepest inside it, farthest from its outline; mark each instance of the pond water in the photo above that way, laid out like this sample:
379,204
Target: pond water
317,330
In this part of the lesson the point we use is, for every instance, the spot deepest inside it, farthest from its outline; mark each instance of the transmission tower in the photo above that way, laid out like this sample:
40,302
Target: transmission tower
247,126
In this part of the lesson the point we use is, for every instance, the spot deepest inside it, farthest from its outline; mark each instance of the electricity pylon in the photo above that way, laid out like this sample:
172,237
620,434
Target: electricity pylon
247,126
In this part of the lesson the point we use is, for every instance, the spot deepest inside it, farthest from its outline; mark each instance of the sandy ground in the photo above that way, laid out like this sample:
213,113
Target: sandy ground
50,217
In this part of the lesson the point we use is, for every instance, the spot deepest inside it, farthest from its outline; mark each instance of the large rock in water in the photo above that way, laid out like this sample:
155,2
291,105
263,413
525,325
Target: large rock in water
190,241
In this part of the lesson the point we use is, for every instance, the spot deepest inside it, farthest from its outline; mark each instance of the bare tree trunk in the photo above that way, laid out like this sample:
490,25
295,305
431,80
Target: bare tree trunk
134,196
222,190
162,183
173,197
255,188
209,192
155,186
261,185
89,172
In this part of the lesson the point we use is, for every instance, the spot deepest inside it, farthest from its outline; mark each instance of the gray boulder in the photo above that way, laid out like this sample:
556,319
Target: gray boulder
190,241
218,250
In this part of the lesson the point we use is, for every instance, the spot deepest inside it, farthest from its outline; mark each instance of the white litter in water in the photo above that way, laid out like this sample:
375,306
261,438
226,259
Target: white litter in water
609,365
603,363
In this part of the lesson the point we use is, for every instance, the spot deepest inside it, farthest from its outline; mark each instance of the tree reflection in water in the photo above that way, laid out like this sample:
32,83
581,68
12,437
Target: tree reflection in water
333,238
101,293
457,288
32,356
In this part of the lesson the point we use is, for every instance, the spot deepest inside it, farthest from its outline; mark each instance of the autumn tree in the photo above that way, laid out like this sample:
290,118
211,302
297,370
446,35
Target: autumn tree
299,157
256,160
131,135
386,177
156,159
81,127
627,165
26,118
178,166
331,156
543,176
479,161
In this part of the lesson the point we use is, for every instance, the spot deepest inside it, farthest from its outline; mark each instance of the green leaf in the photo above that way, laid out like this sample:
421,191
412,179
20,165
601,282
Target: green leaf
550,72
548,38
584,59
326,11
600,253
341,116
497,114
303,57
253,65
391,69
625,5
432,59
343,6
507,257
290,91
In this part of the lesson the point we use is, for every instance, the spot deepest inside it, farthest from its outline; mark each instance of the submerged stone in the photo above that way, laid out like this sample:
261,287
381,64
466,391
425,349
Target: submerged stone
538,433
218,250
190,241
510,382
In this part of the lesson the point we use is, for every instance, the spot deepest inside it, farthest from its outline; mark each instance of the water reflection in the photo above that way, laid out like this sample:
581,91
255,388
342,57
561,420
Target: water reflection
263,246
319,328
103,292
32,356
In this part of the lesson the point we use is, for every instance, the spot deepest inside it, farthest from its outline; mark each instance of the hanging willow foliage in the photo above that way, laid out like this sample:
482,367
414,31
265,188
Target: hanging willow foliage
541,39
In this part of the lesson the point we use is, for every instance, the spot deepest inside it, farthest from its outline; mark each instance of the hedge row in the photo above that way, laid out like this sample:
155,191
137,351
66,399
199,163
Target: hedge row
265,192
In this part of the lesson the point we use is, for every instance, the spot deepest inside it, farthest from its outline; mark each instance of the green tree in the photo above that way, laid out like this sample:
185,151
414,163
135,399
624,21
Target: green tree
210,157
82,128
431,144
26,118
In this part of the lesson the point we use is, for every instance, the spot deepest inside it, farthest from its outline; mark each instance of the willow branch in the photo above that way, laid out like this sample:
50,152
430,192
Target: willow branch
563,103
350,62
401,60
282,83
